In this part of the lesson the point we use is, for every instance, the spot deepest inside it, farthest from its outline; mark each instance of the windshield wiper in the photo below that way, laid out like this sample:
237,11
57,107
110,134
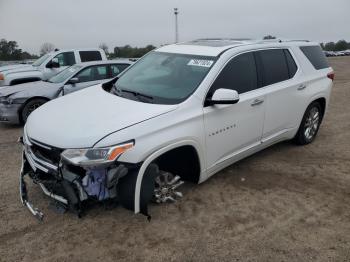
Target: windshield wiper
118,91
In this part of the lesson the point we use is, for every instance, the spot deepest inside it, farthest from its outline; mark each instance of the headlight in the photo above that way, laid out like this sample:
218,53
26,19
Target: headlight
6,100
95,156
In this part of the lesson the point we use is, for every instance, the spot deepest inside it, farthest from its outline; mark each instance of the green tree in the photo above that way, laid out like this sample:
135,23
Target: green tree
9,51
131,52
341,45
330,46
269,37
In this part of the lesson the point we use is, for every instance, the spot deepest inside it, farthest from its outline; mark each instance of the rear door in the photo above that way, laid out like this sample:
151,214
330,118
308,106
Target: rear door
233,129
284,101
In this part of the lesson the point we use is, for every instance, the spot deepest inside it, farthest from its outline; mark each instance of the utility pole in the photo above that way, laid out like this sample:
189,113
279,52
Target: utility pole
176,12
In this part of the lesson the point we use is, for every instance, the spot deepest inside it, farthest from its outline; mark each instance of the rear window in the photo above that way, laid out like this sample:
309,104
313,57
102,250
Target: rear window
315,56
292,67
87,56
274,66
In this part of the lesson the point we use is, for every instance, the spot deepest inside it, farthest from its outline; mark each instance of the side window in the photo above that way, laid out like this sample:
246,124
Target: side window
86,56
292,67
315,56
100,72
118,68
239,74
274,66
86,75
66,58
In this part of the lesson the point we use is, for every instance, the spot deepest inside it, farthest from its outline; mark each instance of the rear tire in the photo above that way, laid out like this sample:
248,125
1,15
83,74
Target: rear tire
310,124
30,106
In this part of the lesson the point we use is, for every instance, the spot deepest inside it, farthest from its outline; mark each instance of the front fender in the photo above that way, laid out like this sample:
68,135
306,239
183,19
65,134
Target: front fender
146,163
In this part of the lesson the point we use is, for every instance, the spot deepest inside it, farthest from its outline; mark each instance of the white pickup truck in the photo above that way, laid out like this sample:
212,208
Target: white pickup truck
48,65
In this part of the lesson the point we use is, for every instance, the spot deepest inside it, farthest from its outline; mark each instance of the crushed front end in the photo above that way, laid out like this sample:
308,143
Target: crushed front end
67,184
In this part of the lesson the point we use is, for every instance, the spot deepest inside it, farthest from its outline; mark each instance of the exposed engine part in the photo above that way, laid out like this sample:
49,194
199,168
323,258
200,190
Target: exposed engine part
165,187
94,183
75,179
52,195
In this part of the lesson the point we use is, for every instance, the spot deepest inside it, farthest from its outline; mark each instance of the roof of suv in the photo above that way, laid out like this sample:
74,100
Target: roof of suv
215,46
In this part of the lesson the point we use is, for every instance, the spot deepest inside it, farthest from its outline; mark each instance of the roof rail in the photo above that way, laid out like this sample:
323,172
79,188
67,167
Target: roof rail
221,39
282,40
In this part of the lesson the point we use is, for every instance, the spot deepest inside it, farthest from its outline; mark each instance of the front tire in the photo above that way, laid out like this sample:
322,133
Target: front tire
30,106
310,124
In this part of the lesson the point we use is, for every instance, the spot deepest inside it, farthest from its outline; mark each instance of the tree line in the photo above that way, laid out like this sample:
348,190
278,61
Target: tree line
126,51
9,51
340,45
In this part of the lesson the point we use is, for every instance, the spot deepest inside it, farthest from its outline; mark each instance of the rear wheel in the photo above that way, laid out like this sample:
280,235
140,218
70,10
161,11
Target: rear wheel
30,106
310,124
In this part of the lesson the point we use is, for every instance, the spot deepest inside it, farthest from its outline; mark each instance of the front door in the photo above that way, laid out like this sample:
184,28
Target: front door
233,129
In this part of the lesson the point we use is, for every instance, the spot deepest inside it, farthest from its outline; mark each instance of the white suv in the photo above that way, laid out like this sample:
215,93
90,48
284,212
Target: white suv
181,113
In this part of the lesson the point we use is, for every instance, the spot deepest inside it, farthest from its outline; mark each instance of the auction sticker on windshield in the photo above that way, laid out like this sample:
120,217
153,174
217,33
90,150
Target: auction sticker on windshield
200,62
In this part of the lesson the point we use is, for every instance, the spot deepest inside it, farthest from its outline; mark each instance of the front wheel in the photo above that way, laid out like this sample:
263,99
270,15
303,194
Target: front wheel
30,106
310,124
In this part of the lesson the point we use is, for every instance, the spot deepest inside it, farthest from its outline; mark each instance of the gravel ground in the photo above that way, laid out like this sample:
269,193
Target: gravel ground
286,203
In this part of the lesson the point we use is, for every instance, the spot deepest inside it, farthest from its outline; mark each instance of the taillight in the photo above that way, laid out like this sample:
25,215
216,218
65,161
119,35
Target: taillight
2,77
331,75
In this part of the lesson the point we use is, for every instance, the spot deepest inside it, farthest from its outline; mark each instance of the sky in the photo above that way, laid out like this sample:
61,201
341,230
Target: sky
87,23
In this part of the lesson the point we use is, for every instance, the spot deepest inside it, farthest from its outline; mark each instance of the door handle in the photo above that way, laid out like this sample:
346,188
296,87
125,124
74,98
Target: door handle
301,87
257,102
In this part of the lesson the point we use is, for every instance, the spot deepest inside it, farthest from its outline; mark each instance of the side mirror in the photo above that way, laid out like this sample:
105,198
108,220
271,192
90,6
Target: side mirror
73,81
223,96
53,63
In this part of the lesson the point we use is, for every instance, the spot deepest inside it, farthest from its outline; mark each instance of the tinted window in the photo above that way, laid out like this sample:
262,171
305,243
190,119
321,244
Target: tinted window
86,56
66,59
292,67
273,66
239,74
117,69
93,73
65,74
100,72
315,56
85,75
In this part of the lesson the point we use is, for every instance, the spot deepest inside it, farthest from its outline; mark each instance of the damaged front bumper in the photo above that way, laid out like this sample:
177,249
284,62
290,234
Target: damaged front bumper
69,188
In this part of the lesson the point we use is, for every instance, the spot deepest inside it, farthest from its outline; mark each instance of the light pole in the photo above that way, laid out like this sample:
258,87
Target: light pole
176,12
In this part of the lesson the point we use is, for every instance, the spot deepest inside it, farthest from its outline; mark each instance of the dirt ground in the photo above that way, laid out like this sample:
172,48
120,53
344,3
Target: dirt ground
286,203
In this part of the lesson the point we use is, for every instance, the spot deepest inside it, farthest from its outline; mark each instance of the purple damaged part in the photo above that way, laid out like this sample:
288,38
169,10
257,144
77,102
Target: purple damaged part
94,183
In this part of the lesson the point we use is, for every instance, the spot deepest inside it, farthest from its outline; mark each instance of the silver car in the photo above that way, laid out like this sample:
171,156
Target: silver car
17,102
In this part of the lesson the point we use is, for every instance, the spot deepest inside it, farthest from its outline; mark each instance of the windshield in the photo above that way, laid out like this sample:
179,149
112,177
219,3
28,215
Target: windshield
40,60
65,74
163,78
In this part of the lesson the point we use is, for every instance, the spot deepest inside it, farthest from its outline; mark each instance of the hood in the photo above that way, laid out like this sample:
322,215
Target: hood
81,119
16,69
37,88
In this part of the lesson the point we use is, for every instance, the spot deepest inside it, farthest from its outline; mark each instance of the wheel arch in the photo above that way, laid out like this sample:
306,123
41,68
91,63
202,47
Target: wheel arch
191,145
26,102
322,100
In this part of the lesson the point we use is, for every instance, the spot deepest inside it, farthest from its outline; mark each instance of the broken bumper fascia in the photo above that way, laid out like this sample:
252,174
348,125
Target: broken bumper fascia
31,165
24,193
